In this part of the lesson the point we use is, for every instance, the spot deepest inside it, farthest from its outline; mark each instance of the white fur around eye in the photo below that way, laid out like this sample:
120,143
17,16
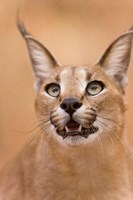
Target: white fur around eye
44,93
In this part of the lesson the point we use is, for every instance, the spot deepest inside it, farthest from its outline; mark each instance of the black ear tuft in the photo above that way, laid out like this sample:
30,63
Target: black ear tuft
21,27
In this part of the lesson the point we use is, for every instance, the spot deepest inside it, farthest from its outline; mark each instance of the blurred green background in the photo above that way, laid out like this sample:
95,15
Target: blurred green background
77,32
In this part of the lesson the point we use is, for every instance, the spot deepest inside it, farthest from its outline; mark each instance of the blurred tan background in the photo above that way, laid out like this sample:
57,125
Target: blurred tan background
76,31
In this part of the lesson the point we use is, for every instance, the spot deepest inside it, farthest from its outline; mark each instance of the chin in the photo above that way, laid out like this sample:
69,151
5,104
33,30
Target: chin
77,141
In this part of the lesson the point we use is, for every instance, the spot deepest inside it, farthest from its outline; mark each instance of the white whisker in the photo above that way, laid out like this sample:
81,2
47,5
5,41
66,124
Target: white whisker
101,148
107,128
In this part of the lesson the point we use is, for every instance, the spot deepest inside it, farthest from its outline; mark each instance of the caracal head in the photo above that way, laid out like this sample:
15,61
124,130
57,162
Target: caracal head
79,104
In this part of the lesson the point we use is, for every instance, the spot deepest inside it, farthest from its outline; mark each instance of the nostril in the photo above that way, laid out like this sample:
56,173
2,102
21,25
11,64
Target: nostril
77,105
70,105
64,106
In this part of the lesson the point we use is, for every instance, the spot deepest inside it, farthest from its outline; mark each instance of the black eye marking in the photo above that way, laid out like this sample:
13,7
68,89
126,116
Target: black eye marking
57,78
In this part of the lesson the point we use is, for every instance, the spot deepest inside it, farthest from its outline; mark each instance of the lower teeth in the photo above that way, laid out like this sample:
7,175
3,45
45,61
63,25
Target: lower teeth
83,133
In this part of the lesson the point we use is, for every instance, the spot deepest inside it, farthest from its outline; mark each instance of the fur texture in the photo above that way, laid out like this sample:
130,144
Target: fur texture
82,167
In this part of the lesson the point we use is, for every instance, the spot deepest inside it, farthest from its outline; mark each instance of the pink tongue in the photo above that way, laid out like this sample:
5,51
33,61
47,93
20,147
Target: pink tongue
72,125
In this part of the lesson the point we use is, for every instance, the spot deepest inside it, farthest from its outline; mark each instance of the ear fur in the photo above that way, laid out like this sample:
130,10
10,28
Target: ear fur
116,58
43,62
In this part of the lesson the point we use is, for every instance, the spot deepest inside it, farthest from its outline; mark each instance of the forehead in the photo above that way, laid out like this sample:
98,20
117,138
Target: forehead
72,73
75,77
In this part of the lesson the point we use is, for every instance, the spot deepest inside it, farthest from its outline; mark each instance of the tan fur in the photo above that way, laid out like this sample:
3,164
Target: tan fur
93,168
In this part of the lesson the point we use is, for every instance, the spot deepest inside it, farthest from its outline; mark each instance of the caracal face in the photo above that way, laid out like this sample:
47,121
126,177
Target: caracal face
77,105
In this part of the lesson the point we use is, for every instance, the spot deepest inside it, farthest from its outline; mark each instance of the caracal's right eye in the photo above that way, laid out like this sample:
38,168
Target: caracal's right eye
53,89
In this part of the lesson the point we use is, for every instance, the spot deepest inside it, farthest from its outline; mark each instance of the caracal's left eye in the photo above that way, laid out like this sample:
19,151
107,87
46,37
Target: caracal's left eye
94,88
53,89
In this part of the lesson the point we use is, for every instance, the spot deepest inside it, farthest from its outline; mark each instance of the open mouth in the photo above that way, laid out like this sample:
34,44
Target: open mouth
72,128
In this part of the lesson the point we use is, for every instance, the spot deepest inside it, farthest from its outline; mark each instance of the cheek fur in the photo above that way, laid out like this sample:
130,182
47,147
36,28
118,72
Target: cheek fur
111,103
110,114
44,105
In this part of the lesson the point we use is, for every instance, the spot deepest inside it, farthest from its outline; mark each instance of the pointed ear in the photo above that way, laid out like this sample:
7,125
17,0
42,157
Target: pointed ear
116,59
43,62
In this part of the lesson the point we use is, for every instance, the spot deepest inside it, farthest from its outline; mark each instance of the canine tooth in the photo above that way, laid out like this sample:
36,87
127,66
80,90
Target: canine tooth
80,128
67,130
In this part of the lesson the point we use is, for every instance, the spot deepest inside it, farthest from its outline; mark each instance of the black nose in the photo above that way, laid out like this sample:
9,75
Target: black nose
70,105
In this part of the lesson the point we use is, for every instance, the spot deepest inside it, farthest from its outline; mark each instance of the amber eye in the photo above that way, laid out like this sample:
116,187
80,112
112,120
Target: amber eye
94,88
53,89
